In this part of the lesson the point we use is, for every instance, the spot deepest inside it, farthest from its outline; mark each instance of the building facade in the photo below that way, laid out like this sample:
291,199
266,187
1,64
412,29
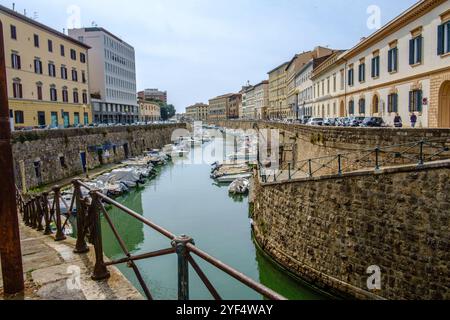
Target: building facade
219,107
47,74
248,103
277,92
113,76
261,100
197,112
153,94
149,111
234,101
403,68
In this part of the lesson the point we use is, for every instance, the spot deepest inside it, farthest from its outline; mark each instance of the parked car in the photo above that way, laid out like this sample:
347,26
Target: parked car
315,122
372,122
305,119
356,121
330,122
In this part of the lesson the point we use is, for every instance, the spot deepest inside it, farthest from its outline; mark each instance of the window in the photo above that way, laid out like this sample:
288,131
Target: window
376,67
39,91
17,90
85,98
51,69
351,107
41,118
74,75
36,41
362,72
54,118
53,94
50,46
13,32
393,102
15,61
362,106
75,96
37,66
444,38
18,117
351,77
62,50
415,101
83,76
393,60
63,72
73,54
82,57
415,50
65,95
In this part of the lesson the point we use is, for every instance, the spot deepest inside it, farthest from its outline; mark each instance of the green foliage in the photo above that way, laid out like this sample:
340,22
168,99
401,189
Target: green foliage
167,111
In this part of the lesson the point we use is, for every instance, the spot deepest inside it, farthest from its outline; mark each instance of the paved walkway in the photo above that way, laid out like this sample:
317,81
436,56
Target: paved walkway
50,270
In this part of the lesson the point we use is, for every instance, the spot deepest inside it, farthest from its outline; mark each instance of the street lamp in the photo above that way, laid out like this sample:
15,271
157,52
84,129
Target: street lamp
10,251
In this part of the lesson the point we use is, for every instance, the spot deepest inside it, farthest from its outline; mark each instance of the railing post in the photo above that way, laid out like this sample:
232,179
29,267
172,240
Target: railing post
39,213
310,167
81,245
26,214
100,270
180,244
339,164
33,213
421,155
60,236
48,229
377,158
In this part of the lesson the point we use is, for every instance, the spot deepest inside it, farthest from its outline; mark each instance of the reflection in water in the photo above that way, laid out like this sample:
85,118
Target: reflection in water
184,200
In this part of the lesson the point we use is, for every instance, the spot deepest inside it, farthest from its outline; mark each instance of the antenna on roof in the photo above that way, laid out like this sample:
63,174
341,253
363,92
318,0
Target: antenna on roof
25,12
14,6
35,15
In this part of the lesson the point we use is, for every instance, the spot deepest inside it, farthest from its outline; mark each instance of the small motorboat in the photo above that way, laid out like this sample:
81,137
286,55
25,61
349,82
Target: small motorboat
231,178
239,186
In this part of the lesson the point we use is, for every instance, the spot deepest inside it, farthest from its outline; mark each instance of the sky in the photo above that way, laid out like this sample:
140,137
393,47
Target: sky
199,49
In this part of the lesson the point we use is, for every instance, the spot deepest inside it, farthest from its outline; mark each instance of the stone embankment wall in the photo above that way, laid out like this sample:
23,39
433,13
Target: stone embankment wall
51,155
305,142
330,230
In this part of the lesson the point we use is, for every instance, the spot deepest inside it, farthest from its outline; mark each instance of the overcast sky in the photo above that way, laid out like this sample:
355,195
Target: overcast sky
198,49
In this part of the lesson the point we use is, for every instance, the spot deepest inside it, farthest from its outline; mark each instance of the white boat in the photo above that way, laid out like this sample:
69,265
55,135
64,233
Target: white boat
239,186
232,178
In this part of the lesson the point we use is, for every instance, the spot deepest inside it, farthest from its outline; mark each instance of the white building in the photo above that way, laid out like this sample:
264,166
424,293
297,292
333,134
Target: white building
112,71
248,103
261,100
402,68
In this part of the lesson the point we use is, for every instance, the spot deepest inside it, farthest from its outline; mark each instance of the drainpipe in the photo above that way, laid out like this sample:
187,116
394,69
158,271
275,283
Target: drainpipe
10,251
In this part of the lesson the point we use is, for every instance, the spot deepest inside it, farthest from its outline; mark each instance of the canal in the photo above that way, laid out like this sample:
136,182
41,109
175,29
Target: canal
183,199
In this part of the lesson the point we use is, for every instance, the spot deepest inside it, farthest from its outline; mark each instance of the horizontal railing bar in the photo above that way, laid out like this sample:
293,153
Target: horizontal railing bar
149,255
266,292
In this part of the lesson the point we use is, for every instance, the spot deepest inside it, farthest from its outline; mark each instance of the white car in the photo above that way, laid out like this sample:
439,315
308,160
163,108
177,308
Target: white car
315,122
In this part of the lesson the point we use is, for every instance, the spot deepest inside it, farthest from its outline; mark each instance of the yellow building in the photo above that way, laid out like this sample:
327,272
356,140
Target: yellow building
149,111
47,74
198,112
219,107
277,92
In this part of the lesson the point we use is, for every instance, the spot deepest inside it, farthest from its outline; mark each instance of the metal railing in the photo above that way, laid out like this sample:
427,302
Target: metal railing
414,153
43,214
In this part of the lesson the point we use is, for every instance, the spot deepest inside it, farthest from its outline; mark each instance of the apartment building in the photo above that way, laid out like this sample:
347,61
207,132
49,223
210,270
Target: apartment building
248,103
149,111
292,69
198,112
113,75
153,94
219,107
403,68
47,74
261,100
234,101
277,92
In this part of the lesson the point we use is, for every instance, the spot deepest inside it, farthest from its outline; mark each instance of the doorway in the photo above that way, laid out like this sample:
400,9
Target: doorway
444,105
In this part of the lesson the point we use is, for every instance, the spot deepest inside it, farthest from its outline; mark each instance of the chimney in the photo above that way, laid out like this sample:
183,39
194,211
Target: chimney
14,7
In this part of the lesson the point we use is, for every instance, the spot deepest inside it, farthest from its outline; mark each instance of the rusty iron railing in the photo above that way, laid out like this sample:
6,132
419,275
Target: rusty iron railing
41,213
414,153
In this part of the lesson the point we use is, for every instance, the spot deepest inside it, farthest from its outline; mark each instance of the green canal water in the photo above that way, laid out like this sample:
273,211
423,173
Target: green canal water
184,200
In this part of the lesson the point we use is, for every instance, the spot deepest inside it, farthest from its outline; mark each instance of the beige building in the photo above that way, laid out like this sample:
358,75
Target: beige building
149,111
219,107
234,102
277,92
47,74
261,100
198,112
292,69
402,68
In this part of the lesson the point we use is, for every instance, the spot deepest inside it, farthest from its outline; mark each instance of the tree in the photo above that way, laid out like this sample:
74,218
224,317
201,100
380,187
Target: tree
167,111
